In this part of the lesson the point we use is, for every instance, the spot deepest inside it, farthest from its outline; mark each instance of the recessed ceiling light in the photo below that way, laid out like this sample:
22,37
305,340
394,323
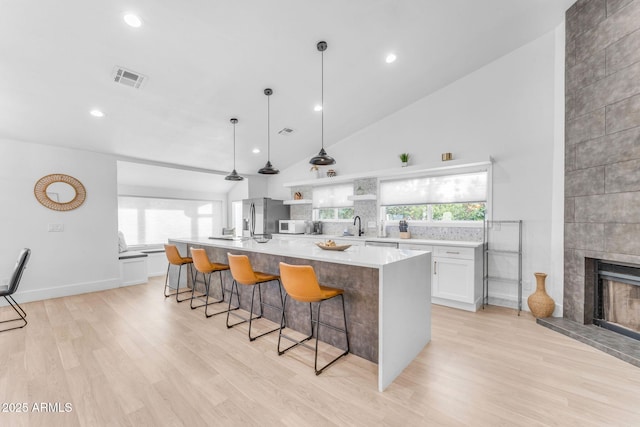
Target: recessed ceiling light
133,20
390,58
96,113
255,151
317,108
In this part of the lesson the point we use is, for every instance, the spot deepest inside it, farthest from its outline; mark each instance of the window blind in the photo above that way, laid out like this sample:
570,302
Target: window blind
148,221
459,188
333,196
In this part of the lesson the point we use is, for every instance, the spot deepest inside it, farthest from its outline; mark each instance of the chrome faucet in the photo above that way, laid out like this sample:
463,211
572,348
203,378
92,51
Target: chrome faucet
360,230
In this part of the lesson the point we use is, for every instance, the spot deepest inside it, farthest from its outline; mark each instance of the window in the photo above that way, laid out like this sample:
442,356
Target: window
457,198
151,221
333,214
331,202
437,212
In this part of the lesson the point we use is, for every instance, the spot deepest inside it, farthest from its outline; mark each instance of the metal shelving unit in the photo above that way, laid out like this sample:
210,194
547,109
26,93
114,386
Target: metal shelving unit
500,241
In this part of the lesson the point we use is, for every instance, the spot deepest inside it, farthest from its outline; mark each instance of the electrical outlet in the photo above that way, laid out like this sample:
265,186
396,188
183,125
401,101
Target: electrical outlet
55,228
371,224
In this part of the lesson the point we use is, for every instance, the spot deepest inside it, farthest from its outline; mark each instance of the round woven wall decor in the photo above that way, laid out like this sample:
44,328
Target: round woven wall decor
40,191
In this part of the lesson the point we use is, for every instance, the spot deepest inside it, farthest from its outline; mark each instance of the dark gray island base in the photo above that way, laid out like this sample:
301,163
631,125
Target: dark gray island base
367,275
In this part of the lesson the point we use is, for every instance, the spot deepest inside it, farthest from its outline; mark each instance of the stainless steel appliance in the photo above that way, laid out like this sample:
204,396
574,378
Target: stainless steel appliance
317,227
292,226
260,216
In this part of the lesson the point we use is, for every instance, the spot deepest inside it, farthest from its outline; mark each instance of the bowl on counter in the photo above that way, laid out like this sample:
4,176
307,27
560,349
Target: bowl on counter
330,245
261,239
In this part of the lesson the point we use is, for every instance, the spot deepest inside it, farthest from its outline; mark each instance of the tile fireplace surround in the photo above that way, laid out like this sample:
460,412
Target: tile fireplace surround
602,155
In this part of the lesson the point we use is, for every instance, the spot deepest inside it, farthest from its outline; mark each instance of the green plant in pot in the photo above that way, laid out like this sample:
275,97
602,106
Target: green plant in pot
404,158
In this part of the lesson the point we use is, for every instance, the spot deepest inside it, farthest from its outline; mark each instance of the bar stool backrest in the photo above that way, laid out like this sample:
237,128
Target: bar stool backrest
241,269
200,260
300,282
173,256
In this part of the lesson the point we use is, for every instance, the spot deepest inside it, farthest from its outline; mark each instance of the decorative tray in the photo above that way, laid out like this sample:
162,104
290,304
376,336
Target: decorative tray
332,248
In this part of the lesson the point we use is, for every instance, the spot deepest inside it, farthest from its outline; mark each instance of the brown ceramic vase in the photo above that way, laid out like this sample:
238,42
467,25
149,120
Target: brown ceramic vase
540,303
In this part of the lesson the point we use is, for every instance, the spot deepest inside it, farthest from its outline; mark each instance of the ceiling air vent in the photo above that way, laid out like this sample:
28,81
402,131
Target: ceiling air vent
128,77
285,131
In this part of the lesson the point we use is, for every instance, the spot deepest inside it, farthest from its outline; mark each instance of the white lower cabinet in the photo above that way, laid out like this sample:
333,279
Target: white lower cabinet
456,275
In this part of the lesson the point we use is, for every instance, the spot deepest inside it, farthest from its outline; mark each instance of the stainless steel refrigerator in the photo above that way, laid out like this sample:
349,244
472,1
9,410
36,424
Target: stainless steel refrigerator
260,216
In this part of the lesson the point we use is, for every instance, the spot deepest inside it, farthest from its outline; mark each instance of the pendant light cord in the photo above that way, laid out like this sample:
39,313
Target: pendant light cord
322,98
268,130
234,146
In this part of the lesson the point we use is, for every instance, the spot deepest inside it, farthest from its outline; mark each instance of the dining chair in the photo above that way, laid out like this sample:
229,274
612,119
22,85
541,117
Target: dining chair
7,291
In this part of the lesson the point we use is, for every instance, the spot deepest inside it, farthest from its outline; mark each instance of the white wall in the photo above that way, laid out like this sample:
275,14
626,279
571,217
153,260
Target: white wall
507,110
84,257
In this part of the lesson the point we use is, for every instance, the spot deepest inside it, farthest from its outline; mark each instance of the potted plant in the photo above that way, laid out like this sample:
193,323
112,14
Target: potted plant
404,158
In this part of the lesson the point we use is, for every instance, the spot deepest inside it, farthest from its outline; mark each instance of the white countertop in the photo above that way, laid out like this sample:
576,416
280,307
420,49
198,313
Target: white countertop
321,237
363,256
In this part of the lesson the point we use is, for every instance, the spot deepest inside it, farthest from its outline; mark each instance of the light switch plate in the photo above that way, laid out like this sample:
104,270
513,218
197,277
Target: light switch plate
56,228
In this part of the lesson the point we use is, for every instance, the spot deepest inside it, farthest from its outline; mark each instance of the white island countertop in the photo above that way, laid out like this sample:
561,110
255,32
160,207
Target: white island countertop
362,256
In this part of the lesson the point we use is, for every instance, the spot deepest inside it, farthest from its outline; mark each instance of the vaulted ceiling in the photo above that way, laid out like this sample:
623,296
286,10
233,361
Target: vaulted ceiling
206,61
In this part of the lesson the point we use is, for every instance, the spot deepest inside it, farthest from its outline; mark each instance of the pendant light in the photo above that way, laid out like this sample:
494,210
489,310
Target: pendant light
322,159
268,169
233,176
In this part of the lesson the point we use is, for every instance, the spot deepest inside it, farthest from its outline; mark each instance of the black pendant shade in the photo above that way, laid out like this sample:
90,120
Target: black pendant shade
233,176
322,159
268,168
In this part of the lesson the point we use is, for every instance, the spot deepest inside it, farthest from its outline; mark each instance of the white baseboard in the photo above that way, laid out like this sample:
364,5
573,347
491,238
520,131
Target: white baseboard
505,301
510,301
64,290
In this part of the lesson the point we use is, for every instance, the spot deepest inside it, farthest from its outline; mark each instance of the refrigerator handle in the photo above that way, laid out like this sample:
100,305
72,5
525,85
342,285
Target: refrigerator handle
252,214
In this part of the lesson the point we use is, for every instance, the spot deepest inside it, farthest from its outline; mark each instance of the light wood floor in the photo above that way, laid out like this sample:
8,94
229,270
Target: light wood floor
128,357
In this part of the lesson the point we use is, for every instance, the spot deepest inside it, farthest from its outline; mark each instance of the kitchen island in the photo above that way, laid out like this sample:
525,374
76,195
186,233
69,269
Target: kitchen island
387,294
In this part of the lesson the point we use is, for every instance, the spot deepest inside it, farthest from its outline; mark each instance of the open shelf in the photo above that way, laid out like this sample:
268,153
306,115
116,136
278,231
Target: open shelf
508,234
298,202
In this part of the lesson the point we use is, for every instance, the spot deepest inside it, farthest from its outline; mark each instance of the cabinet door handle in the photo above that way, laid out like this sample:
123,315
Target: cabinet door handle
435,269
452,252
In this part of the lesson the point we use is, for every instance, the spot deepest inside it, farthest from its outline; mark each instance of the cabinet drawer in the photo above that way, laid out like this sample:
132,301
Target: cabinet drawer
415,246
453,252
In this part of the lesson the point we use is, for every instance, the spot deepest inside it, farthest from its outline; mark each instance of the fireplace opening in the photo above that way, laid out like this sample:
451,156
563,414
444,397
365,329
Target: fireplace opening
617,298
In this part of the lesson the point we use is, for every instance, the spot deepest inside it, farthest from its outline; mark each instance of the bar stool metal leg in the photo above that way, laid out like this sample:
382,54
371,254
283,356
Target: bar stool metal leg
346,334
251,317
178,291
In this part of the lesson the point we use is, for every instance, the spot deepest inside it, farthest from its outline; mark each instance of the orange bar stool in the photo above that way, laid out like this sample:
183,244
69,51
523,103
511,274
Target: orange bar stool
174,258
203,265
301,284
244,274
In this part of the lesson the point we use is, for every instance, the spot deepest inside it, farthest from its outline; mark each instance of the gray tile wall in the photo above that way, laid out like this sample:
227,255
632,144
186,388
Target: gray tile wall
602,143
